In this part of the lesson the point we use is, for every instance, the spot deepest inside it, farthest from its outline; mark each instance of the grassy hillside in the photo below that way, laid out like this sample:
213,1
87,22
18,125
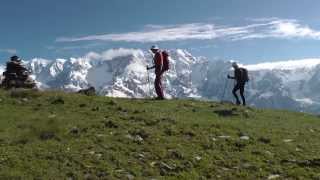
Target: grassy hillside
52,135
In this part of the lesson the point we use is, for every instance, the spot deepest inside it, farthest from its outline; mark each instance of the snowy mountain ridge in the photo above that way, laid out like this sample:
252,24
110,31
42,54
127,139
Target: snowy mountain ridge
292,85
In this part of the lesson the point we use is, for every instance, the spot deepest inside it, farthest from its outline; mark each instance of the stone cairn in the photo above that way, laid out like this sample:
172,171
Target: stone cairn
17,75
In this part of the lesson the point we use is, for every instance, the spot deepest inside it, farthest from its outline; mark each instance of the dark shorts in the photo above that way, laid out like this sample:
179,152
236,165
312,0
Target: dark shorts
239,86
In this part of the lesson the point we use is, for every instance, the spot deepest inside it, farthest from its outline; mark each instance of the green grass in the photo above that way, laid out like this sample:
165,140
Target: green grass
54,135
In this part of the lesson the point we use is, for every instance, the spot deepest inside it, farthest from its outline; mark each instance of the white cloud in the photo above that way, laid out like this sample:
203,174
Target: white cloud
285,65
156,34
114,53
259,28
294,29
281,29
9,51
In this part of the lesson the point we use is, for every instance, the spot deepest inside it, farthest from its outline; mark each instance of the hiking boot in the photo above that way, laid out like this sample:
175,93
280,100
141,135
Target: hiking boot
238,103
160,98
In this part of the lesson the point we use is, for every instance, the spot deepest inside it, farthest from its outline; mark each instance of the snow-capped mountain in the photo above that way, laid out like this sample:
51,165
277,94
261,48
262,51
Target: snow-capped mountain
292,85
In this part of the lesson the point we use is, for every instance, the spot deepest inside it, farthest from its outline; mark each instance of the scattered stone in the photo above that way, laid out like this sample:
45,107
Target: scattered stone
88,176
99,155
19,102
264,140
91,91
246,138
46,135
136,138
153,164
96,108
246,165
57,101
175,154
100,135
287,140
213,105
285,161
140,132
141,156
249,166
51,116
24,99
241,134
269,153
311,130
197,158
225,113
102,174
309,163
120,109
189,134
136,112
273,176
213,139
110,124
112,103
169,132
166,166
224,137
169,120
257,152
75,131
246,114
71,176
225,169
152,122
225,102
130,176
240,145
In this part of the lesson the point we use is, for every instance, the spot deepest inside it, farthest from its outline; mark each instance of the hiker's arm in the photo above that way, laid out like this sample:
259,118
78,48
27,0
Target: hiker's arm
154,62
230,77
152,67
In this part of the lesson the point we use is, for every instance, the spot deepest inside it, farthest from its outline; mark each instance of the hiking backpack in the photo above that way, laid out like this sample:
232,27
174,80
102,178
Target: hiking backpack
165,61
244,74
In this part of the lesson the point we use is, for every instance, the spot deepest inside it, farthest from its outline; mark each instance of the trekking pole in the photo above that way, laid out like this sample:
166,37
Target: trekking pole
224,90
148,79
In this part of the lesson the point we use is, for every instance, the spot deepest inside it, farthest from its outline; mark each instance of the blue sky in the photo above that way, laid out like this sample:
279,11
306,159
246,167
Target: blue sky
249,31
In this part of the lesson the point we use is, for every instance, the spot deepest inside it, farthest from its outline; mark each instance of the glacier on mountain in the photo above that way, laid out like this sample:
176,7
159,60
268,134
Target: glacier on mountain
292,85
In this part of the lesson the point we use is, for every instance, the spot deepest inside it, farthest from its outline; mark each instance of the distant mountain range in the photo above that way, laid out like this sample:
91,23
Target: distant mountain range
292,85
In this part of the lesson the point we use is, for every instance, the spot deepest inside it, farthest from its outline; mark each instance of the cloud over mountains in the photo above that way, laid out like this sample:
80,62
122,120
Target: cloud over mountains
255,29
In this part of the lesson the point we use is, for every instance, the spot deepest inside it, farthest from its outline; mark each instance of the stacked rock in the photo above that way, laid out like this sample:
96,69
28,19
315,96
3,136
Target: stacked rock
16,75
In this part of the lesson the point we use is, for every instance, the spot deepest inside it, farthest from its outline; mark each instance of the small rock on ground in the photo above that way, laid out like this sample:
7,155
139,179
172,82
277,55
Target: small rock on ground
274,176
245,138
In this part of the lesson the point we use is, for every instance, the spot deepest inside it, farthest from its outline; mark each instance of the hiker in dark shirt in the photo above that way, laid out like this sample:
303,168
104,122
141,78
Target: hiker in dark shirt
241,77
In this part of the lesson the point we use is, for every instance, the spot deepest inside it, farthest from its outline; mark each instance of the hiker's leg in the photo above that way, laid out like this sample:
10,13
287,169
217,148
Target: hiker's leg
161,87
234,92
242,94
157,85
